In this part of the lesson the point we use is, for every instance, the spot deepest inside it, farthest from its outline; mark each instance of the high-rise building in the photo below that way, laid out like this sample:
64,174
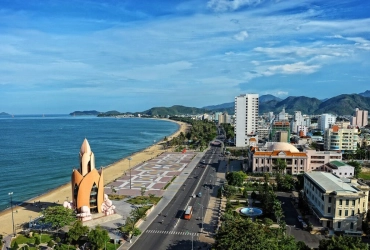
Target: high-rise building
344,139
246,118
361,118
325,121
297,121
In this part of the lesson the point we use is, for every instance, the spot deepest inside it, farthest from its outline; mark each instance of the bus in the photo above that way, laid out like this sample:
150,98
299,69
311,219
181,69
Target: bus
188,213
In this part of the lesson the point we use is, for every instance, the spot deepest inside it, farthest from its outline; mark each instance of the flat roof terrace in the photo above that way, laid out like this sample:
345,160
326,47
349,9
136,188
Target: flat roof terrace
331,183
153,174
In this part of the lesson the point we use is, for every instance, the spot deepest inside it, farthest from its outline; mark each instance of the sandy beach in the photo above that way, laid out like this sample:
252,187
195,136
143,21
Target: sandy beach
28,210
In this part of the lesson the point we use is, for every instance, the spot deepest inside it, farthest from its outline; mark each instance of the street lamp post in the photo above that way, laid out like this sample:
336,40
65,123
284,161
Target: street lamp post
11,206
30,225
129,166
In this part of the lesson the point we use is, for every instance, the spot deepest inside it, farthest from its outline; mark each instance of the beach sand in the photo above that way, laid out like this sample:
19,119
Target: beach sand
22,214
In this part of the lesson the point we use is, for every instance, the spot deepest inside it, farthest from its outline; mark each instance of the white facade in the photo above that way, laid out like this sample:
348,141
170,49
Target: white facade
318,159
338,203
298,120
283,116
325,121
246,118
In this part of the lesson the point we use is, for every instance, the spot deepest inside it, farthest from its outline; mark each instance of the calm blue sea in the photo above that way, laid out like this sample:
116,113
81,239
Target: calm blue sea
38,153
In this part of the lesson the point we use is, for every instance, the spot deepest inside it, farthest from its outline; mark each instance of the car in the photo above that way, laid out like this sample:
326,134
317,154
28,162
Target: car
199,194
304,225
204,161
300,219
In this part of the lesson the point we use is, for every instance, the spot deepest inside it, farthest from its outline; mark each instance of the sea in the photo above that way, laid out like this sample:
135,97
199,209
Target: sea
38,152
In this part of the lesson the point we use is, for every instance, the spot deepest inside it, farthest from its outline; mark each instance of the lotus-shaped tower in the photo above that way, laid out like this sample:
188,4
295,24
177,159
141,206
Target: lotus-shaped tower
87,182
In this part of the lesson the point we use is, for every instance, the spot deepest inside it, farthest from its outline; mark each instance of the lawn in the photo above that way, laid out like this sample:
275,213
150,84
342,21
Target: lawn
364,175
21,239
116,197
140,200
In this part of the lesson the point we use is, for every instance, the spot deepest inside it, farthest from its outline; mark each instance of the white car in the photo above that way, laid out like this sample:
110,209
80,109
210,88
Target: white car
304,225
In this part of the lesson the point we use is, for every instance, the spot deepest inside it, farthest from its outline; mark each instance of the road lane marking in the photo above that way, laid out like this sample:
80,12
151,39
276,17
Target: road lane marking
171,232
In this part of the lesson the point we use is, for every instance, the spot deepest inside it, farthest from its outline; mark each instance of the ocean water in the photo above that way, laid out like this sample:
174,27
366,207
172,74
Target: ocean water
37,154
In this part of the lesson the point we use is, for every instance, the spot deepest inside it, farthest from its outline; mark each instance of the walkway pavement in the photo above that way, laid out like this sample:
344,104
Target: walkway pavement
167,197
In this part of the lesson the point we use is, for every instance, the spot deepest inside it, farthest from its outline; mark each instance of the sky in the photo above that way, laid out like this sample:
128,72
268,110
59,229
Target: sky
59,56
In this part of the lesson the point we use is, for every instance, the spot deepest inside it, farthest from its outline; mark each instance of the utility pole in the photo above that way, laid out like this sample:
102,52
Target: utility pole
11,206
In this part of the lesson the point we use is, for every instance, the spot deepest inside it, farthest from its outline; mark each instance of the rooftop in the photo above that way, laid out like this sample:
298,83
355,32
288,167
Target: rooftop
336,164
331,183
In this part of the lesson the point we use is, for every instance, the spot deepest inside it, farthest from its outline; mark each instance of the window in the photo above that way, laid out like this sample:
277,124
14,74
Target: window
329,210
329,199
340,212
351,225
347,202
353,202
345,212
353,213
340,202
339,224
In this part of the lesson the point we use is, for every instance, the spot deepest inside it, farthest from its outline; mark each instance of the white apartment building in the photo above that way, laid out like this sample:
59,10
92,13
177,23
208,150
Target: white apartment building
298,120
283,116
341,138
325,120
246,118
361,118
339,204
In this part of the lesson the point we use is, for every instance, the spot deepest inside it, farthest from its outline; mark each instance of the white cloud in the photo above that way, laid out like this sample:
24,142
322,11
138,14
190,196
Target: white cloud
241,36
293,68
230,5
281,93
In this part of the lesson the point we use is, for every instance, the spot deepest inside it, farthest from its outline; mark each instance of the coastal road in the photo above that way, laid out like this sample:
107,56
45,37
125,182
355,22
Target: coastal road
170,230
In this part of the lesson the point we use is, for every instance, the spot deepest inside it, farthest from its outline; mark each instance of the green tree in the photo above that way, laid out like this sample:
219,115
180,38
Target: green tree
142,190
280,165
77,230
236,178
15,246
357,166
342,243
98,237
229,191
243,234
51,243
59,216
37,241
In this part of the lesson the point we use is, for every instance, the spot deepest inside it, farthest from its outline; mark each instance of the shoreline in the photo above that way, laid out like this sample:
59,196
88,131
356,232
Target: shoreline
26,210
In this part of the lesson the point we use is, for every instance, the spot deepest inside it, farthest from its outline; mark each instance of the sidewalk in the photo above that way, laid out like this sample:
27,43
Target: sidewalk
214,209
167,197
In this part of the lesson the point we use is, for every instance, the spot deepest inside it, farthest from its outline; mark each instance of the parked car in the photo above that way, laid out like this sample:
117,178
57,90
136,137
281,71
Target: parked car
199,194
300,219
203,161
304,225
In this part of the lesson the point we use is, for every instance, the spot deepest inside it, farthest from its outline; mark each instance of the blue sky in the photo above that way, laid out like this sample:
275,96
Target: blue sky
127,55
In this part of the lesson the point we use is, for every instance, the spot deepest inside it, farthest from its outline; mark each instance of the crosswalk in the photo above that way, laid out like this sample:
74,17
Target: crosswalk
171,232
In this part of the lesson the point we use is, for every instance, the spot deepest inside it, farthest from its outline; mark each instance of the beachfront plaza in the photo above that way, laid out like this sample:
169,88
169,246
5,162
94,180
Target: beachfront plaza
153,174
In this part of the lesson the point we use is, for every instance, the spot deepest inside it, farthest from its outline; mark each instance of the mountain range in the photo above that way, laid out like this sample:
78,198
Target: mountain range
344,104
340,105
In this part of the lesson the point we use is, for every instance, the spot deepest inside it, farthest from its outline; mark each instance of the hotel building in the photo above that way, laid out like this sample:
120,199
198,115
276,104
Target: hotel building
246,118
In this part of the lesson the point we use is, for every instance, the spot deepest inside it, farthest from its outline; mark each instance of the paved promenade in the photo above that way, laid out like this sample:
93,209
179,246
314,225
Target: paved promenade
167,197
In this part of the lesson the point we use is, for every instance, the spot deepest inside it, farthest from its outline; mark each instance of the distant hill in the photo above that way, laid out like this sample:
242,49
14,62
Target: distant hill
267,98
340,105
4,114
304,104
174,110
220,106
110,113
90,112
230,109
365,94
344,104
